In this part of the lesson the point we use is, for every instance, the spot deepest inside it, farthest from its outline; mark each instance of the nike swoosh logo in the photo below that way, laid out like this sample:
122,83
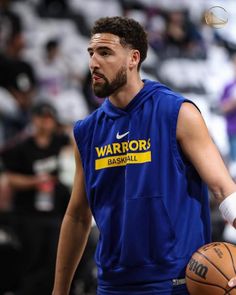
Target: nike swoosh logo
119,136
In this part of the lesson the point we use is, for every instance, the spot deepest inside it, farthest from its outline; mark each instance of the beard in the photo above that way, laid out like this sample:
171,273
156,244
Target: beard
108,88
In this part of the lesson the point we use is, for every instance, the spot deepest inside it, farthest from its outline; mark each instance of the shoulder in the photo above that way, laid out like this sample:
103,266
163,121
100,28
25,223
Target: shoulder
189,113
190,120
18,142
16,149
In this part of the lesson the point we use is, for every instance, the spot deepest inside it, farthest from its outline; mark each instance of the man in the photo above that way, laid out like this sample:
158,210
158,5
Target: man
40,198
141,163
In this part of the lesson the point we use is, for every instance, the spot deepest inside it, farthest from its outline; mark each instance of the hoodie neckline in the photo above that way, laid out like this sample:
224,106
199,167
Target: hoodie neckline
115,112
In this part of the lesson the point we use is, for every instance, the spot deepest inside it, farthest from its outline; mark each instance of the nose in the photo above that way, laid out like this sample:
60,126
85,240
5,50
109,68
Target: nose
93,62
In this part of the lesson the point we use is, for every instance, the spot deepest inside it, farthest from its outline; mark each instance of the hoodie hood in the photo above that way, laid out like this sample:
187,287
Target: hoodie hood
145,93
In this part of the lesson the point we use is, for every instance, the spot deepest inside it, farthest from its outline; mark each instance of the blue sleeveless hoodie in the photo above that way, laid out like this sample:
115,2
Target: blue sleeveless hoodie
149,203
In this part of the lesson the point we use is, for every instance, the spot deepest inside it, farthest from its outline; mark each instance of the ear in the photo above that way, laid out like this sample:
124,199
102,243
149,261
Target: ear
134,58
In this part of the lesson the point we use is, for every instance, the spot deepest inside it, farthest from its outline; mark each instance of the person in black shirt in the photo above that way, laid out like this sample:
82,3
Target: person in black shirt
39,197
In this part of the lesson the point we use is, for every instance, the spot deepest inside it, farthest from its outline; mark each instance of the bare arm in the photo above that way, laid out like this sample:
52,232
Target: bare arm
24,182
198,146
75,229
196,143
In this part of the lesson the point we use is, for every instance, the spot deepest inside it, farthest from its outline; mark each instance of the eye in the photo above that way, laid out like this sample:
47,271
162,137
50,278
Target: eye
104,53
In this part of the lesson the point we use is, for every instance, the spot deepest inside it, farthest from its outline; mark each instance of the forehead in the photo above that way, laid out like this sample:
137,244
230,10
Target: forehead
104,39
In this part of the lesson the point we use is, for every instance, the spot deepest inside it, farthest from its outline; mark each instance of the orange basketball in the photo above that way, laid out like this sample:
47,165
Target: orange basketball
210,268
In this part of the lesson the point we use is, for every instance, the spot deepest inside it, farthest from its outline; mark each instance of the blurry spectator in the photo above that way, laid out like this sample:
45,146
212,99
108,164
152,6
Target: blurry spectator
59,83
228,107
17,78
9,243
8,112
182,37
5,192
61,9
11,38
53,72
39,198
17,89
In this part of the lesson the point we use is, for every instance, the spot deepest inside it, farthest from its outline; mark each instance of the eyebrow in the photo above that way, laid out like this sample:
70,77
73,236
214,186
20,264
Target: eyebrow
100,48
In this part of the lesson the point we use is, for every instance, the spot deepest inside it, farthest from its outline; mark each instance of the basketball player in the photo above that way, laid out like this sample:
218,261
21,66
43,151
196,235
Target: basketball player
144,160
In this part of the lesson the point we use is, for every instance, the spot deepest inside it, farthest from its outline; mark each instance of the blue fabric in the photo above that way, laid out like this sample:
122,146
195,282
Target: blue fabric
149,203
159,288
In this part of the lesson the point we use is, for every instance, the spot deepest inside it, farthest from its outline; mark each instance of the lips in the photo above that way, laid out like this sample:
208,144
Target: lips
96,76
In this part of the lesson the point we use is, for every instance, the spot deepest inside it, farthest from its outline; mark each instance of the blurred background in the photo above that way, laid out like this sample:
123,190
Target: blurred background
45,88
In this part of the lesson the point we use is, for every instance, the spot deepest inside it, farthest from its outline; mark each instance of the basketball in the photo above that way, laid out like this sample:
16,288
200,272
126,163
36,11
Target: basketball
210,268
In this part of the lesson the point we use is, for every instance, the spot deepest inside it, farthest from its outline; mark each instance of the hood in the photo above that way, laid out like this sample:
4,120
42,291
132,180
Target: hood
145,93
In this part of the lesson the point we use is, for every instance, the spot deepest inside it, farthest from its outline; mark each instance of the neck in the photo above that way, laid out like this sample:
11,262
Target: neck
124,95
43,139
15,54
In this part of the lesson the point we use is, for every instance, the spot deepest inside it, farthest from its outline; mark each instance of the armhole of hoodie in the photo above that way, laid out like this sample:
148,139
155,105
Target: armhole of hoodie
176,149
77,136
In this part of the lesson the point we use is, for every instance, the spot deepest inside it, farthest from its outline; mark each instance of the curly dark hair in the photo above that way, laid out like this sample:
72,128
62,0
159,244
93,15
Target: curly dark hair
131,33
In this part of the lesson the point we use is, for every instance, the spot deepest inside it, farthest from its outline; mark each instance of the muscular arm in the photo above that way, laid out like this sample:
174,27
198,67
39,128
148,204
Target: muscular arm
74,233
198,146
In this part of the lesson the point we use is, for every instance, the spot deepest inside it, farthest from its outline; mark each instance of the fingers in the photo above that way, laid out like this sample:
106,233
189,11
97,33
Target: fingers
232,282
